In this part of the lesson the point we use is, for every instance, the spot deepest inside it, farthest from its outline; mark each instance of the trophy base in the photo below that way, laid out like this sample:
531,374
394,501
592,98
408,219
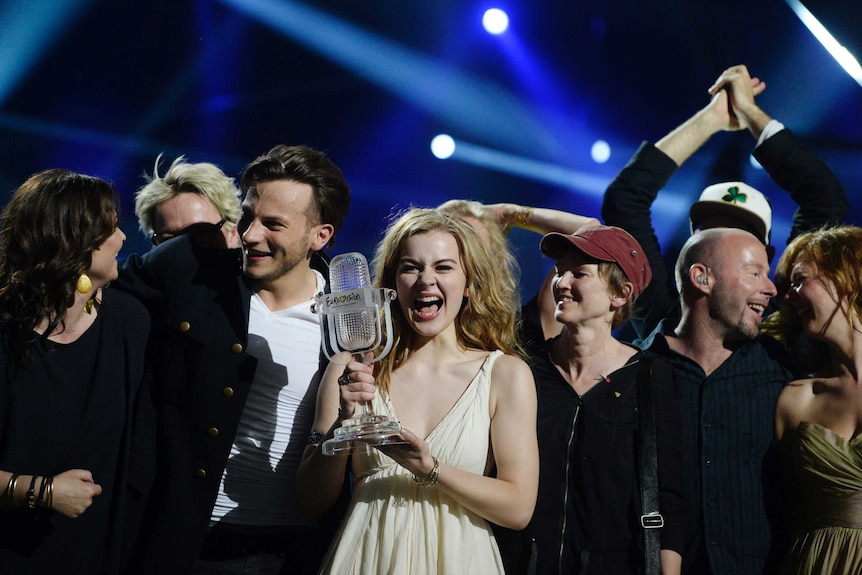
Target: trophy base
360,434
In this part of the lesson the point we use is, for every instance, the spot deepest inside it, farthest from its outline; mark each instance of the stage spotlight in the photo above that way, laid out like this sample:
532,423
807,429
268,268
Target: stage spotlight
443,146
601,152
495,21
508,163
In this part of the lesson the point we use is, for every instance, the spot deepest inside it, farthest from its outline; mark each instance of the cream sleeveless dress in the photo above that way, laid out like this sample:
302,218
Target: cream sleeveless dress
394,526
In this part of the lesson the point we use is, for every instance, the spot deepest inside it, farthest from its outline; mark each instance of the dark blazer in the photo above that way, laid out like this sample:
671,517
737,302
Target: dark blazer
199,304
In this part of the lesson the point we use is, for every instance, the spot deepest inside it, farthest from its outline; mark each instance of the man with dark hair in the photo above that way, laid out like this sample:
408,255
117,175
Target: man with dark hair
235,350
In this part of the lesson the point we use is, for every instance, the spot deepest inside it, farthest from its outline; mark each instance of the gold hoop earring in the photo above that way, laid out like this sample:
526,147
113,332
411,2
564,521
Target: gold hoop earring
84,285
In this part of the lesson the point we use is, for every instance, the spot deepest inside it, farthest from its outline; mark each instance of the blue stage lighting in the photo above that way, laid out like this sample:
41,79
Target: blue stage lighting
754,163
495,21
600,152
592,184
464,100
443,146
28,30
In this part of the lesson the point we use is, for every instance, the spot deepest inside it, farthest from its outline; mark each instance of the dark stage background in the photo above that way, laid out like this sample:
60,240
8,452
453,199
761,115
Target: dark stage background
102,87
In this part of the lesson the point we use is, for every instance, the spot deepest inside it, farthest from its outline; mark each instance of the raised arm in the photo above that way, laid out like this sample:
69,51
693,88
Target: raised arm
628,199
791,164
627,204
738,84
539,220
542,221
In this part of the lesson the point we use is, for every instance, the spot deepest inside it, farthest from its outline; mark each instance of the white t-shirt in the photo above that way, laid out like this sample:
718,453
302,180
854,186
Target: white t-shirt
258,486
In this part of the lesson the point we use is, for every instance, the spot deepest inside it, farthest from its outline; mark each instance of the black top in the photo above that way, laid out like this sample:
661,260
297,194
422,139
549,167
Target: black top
588,510
69,409
733,490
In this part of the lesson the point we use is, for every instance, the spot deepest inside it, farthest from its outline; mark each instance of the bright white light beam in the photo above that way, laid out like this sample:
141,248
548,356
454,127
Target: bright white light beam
841,54
474,105
668,206
495,21
443,146
525,167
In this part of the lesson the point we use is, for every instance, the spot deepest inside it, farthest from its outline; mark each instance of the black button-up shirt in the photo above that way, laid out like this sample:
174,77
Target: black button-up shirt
732,487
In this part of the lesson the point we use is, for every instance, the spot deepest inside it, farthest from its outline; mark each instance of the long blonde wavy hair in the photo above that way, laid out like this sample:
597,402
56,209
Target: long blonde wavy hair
487,319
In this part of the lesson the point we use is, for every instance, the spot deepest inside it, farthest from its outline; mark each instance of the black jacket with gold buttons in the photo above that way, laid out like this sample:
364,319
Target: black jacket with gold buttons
199,304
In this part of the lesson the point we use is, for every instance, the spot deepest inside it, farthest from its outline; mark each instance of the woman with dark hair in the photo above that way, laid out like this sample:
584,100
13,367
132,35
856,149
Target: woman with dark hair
71,381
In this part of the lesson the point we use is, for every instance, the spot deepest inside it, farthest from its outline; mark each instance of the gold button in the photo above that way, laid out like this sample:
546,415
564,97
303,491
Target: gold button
212,432
185,326
200,473
236,348
227,392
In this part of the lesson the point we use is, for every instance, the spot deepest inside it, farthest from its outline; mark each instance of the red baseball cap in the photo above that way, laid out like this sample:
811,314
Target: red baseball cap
606,244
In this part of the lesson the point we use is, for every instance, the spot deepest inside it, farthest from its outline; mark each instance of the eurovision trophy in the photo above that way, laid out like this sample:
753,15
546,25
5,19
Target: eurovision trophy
356,318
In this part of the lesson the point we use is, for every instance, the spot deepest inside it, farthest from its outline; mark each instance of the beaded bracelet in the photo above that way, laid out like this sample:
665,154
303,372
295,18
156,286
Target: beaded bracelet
432,478
31,493
315,437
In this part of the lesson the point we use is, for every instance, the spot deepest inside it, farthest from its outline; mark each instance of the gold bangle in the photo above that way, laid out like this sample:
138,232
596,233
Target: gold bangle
432,478
9,495
522,216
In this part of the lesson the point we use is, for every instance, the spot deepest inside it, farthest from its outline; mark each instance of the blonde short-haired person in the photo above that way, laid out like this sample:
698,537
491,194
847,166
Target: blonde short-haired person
197,199
467,405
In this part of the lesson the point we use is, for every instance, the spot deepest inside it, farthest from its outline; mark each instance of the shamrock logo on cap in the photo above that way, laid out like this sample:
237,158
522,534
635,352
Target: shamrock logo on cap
734,195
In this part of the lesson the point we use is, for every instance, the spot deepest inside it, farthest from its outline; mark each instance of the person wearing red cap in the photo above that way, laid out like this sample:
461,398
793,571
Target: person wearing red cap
790,163
589,515
493,222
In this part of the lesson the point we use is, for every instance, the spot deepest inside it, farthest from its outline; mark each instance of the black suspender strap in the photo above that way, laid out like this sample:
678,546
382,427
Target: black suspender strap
651,519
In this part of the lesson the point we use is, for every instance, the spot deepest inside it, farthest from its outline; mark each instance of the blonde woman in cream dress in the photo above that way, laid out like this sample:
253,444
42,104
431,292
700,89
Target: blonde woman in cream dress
466,402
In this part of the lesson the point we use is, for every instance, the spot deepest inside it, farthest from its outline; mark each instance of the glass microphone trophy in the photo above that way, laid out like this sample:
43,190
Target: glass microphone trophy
355,318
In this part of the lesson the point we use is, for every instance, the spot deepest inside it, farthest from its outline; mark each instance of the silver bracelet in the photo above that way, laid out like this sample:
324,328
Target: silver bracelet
432,478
